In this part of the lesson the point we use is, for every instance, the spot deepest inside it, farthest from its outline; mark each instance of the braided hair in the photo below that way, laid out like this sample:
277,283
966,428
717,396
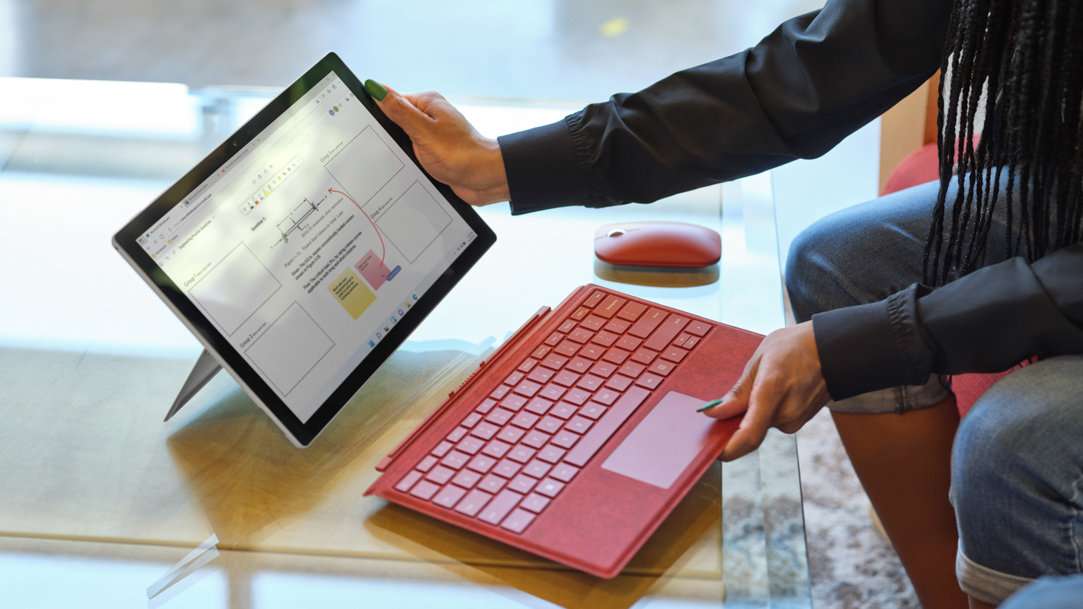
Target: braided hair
1025,58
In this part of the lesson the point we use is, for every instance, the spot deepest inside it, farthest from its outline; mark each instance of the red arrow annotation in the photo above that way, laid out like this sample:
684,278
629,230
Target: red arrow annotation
383,254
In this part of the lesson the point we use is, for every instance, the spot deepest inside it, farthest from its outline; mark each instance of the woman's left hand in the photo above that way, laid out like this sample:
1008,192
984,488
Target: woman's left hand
782,386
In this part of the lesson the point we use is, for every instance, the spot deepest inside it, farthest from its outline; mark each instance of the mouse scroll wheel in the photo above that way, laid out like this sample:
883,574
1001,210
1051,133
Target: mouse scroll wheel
616,232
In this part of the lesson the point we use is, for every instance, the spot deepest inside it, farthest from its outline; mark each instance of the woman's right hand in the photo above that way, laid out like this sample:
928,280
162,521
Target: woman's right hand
446,144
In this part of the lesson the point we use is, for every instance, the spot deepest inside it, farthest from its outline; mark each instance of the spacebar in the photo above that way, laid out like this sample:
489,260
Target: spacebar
606,426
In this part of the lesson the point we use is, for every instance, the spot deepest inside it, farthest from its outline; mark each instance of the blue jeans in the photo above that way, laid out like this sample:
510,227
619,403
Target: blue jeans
1017,466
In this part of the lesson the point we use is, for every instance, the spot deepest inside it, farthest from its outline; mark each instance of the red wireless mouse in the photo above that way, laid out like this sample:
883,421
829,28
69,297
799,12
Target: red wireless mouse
658,244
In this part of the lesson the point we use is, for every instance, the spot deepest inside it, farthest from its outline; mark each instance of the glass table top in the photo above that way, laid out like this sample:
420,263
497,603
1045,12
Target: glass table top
103,500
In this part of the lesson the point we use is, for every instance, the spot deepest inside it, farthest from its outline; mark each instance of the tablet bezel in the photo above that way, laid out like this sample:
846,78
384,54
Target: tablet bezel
300,433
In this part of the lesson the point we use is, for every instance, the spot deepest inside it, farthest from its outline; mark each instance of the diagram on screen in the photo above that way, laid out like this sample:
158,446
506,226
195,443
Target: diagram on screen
408,221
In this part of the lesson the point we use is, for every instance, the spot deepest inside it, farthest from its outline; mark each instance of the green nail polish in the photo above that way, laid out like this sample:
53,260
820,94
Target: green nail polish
375,89
709,405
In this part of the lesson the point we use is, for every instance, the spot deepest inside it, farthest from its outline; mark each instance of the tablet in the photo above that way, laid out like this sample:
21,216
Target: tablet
304,249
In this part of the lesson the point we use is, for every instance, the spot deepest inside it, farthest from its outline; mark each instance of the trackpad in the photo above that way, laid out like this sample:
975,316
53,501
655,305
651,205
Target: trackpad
665,442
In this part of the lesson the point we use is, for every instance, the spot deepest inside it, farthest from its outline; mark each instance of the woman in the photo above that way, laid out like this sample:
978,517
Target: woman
975,273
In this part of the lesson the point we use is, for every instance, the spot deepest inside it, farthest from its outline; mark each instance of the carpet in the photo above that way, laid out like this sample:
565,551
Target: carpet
850,563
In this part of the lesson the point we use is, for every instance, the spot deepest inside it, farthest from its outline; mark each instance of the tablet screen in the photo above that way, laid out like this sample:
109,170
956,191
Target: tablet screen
304,246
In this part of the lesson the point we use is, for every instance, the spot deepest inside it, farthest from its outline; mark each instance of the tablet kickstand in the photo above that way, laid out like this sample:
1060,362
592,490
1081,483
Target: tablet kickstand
204,370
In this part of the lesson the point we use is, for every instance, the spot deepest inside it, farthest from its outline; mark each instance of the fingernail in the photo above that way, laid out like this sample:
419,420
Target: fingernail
709,405
375,89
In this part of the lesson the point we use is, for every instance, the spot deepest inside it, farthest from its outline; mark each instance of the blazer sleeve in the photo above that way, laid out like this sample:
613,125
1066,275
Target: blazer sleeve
986,321
801,90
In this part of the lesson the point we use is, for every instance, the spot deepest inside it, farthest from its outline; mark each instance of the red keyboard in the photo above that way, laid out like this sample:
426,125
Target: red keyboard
518,449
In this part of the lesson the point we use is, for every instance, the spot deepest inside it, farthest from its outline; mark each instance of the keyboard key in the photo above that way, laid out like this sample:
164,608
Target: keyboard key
535,503
581,336
424,490
554,361
661,367
632,311
666,332
549,487
675,354
527,365
442,448
576,396
455,460
427,463
523,484
496,449
592,410
499,416
541,375
472,503
527,388
567,348
562,410
513,402
550,424
580,365
616,355
620,326
629,343
457,434
440,474
552,392
522,454
699,328
606,338
540,406
482,464
593,323
485,431
466,478
492,483
507,468
644,356
606,396
564,472
579,424
649,380
535,439
449,496
610,306
510,434
592,352
525,420
551,454
495,511
619,382
566,378
408,481
565,439
537,469
632,369
518,521
646,324
603,369
590,382
595,297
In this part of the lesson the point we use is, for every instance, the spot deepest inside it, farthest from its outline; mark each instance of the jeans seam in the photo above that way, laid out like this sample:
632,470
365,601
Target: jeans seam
1073,501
